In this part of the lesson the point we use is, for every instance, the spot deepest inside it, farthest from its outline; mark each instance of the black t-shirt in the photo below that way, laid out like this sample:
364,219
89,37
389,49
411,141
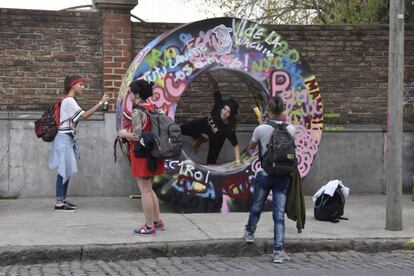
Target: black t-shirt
216,125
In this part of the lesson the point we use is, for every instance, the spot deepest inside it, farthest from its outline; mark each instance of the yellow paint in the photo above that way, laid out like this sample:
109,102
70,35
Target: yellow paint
409,244
333,128
332,115
199,187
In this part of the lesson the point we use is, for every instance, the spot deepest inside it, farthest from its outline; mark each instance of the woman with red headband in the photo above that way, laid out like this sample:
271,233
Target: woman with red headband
64,154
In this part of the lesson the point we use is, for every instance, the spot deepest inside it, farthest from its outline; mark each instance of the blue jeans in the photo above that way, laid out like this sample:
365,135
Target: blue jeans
279,186
61,188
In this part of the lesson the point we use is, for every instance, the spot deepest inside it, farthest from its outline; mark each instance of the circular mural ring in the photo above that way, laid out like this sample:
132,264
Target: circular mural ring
174,59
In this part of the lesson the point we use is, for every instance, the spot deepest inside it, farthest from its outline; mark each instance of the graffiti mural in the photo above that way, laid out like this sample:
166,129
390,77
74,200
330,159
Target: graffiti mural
176,58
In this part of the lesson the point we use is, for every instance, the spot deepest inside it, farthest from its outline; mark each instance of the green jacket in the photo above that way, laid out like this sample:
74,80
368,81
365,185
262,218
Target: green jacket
295,205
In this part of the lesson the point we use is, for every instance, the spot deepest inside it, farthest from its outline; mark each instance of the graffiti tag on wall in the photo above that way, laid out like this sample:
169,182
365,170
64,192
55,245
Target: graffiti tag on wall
173,60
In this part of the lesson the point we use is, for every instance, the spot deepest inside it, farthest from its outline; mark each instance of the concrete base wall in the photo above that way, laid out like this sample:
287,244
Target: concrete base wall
24,169
353,155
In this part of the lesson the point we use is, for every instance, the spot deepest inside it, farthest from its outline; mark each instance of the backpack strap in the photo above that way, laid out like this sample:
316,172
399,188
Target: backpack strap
282,126
59,106
118,141
338,219
276,125
154,108
115,142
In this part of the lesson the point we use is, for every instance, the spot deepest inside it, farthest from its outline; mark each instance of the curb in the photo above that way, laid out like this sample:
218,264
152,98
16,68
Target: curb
11,255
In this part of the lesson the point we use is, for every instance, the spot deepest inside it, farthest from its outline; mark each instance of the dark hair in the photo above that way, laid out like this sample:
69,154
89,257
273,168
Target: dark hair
232,121
142,88
234,110
276,105
68,80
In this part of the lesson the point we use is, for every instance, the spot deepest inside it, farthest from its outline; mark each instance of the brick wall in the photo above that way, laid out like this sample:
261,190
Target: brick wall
350,64
116,26
39,48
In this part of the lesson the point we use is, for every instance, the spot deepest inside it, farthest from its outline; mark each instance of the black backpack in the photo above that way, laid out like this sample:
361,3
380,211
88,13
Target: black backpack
168,137
280,156
329,208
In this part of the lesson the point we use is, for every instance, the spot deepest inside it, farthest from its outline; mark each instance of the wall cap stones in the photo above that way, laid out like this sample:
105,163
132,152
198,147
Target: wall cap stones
34,115
117,4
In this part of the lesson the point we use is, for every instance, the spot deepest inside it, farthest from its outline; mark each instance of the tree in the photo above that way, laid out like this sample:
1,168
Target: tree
311,11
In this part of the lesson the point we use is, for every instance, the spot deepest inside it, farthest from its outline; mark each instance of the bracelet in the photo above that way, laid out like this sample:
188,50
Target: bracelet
100,103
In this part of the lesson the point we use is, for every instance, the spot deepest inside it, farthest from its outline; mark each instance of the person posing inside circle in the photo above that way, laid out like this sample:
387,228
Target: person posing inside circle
64,153
143,166
218,126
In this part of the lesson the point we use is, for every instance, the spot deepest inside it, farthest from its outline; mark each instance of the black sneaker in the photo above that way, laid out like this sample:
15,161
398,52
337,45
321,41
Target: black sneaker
65,208
68,203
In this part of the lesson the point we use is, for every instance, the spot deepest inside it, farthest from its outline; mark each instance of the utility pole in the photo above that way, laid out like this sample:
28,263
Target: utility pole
393,150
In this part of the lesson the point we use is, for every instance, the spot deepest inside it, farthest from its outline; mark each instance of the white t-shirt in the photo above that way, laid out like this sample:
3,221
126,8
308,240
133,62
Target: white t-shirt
70,113
263,133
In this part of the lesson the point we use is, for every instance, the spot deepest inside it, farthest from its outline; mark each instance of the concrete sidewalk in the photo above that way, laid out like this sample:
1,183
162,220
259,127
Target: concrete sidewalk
102,228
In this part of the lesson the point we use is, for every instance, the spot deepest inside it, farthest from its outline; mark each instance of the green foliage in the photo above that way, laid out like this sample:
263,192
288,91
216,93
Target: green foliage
310,11
359,12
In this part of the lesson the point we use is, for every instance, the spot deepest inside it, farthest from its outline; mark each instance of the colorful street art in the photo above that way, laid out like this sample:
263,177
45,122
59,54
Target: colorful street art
176,58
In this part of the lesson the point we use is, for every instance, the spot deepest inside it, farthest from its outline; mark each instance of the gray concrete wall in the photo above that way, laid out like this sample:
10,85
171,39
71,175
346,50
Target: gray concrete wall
24,170
353,154
355,158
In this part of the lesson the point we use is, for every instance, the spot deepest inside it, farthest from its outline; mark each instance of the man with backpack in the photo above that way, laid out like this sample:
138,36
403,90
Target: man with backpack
278,160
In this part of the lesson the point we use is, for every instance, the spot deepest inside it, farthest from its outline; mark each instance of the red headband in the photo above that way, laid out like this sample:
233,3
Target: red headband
74,82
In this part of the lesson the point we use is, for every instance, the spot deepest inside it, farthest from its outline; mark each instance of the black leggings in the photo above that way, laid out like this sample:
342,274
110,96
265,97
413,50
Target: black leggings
196,128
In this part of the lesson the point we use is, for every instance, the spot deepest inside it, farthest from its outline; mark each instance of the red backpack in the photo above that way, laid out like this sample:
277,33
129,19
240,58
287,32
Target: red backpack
47,126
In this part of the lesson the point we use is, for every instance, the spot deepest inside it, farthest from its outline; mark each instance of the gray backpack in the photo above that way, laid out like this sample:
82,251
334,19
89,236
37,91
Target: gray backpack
168,137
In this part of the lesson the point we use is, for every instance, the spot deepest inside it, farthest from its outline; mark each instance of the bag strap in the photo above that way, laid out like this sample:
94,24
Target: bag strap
338,219
283,126
115,142
154,108
276,125
60,106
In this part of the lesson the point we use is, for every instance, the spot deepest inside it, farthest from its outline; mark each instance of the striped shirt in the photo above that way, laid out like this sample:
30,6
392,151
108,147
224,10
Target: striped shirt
70,113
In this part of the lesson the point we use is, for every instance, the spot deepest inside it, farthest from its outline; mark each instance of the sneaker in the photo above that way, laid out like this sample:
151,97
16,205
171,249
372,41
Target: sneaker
68,203
144,231
159,225
280,256
248,237
64,207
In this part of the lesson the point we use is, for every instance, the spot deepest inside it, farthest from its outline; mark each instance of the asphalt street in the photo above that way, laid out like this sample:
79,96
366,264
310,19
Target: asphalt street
305,263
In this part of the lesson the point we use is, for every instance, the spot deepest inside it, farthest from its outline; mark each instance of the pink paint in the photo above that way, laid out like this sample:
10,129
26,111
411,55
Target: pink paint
224,206
307,143
174,89
158,99
279,82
